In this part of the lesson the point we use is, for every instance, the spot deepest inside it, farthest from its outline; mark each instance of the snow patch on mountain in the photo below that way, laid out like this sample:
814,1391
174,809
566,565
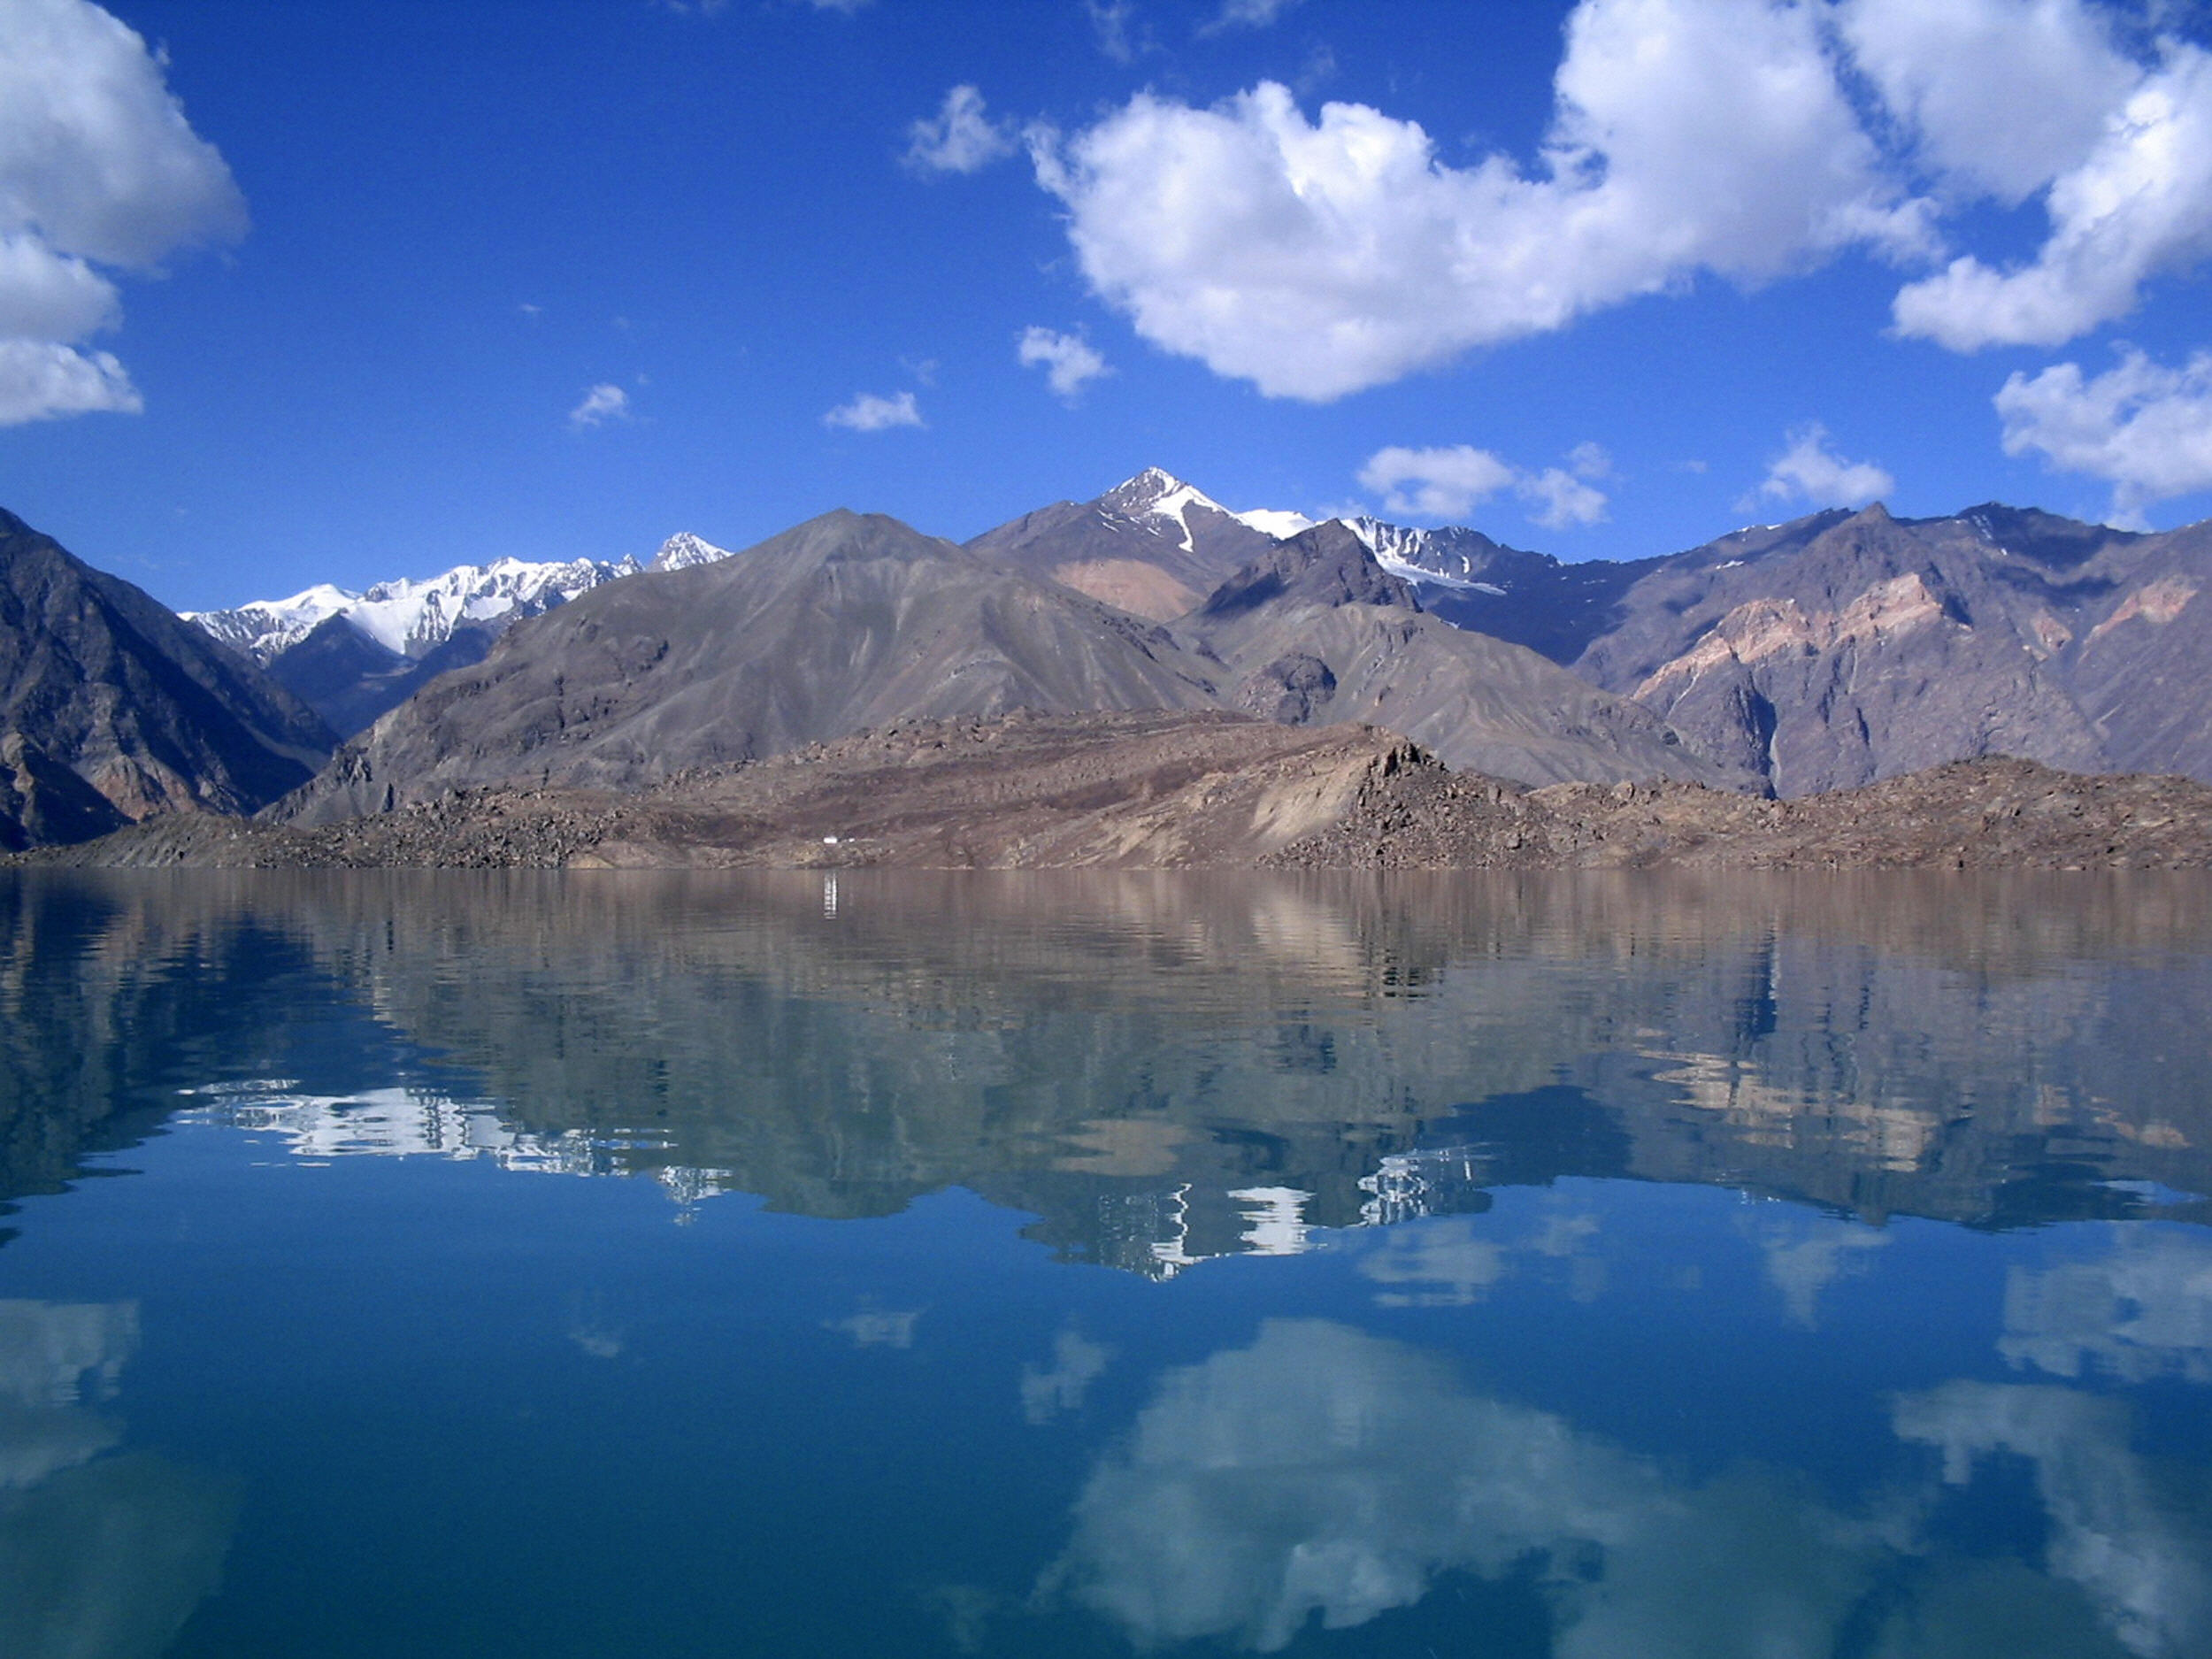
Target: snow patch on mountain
1419,555
683,551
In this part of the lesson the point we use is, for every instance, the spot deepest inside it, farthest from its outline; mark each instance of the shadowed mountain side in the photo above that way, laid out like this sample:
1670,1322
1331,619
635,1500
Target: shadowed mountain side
1317,631
1090,1047
148,714
845,623
350,680
1844,648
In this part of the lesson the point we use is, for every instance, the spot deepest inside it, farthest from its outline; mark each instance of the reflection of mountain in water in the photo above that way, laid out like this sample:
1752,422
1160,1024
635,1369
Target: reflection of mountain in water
1163,1068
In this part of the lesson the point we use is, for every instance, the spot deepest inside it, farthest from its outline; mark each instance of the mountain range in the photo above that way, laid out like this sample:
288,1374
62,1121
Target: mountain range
350,657
1822,653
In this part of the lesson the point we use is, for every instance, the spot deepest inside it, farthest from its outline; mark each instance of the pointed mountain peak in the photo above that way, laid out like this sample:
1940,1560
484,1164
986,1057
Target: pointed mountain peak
684,549
1147,492
1329,564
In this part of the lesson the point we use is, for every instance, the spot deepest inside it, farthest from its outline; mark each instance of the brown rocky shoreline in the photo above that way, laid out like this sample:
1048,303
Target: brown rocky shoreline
1176,790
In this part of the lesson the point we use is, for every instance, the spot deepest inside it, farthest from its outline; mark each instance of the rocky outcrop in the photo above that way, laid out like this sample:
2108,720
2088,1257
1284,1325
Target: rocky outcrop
1211,790
1989,814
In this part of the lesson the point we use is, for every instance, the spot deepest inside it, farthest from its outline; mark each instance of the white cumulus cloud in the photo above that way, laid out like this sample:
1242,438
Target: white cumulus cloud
602,404
1449,483
1316,258
2142,427
1068,360
40,380
1750,140
959,138
1435,484
98,168
1561,501
2137,205
1960,73
1810,472
868,412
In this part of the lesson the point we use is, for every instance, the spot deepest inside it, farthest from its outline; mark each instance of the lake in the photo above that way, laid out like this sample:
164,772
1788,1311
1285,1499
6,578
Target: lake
876,1264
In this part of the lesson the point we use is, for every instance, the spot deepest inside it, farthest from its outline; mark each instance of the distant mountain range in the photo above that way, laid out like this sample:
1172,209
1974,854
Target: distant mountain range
1833,651
350,657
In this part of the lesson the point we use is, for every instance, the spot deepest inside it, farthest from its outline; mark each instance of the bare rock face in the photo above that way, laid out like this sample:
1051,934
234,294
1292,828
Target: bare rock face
1847,648
112,705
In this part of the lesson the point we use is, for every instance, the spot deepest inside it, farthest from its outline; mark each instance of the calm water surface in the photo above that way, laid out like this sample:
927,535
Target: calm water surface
872,1264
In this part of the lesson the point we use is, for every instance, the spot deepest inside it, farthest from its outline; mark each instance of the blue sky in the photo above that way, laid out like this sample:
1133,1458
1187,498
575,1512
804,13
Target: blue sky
294,291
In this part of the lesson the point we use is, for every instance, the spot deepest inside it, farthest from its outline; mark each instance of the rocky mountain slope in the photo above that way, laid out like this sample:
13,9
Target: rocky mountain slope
1152,545
350,657
111,710
844,623
1178,790
848,623
1844,648
1531,599
1317,631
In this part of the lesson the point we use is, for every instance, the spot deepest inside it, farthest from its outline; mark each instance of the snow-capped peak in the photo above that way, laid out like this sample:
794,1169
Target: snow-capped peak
266,626
1418,556
1163,502
413,617
683,551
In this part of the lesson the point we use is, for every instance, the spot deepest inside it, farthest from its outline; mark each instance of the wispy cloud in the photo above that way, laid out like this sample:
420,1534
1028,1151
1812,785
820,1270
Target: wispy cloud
1245,14
602,404
959,138
1068,360
868,412
1119,34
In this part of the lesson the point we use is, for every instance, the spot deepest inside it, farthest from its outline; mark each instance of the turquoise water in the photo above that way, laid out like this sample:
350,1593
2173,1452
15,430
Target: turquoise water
875,1265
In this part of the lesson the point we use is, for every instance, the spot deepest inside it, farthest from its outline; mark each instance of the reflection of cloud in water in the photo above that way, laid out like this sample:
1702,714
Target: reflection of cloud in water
99,1559
2114,1529
1805,1254
1322,1473
1433,1265
2144,1310
1453,1263
108,1561
877,1327
1077,1363
60,1354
